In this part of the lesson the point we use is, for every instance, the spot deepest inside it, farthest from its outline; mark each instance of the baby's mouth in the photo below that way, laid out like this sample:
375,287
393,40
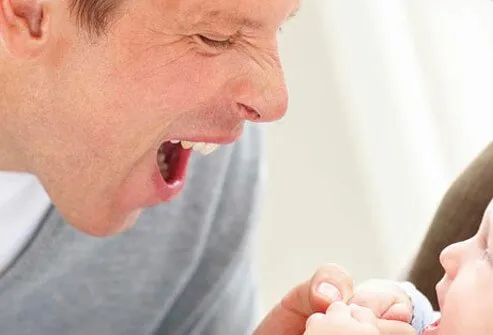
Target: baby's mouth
432,329
173,156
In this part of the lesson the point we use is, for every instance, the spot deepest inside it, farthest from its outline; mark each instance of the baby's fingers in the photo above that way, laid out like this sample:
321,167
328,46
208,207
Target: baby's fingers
363,314
317,324
339,310
314,319
402,311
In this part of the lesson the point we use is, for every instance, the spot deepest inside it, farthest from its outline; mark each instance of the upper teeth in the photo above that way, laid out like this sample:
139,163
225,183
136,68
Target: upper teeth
202,147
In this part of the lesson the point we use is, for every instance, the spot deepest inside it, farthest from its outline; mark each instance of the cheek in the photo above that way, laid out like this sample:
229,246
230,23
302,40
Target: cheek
190,94
165,81
469,302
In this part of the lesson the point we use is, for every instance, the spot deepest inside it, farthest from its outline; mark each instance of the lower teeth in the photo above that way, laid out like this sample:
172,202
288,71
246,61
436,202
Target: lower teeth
163,167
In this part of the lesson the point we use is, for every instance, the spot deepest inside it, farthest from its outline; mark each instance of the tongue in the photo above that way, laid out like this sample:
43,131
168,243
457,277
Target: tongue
167,147
172,152
176,157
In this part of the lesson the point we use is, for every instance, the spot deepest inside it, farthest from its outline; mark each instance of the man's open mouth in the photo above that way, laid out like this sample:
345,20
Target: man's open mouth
173,156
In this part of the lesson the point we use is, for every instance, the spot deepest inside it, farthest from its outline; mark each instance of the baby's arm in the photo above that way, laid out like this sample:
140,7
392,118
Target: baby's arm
423,313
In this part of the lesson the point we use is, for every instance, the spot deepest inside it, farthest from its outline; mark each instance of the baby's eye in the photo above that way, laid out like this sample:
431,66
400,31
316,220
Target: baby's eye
487,256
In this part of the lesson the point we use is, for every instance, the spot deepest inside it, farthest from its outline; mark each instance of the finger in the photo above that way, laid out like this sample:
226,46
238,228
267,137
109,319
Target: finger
402,311
317,324
372,298
391,327
314,319
282,321
339,309
331,283
289,317
380,296
363,314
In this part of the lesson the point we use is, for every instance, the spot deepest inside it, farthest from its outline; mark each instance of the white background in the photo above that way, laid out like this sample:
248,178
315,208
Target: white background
390,100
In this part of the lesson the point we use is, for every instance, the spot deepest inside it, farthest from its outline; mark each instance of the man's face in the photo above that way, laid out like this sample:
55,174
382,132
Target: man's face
465,293
190,70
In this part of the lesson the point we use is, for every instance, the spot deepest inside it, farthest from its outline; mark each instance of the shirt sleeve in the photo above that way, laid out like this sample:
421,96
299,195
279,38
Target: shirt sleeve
423,313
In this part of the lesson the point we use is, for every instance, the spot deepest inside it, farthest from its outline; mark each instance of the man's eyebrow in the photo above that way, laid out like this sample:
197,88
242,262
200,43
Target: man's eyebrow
245,21
234,20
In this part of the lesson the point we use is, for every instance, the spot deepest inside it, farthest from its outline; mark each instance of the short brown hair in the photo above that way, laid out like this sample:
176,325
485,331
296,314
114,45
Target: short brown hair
94,15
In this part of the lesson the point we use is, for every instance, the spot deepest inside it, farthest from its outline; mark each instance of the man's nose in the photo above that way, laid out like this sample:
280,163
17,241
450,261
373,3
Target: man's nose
263,97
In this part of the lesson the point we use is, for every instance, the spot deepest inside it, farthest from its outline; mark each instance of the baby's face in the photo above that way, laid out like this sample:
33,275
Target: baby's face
465,293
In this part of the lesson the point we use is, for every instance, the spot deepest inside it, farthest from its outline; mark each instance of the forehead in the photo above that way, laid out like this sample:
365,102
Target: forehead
251,13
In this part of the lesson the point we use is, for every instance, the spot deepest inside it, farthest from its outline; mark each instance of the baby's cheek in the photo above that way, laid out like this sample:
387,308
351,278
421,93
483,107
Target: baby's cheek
488,215
468,304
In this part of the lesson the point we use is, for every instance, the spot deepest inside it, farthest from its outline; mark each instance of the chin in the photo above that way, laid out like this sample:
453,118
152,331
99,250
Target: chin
106,227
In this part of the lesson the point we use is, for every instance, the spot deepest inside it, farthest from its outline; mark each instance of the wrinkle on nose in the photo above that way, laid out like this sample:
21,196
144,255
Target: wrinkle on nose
260,92
262,97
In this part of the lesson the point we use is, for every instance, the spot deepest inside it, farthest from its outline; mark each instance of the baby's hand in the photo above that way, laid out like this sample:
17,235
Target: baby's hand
332,283
342,319
385,298
329,284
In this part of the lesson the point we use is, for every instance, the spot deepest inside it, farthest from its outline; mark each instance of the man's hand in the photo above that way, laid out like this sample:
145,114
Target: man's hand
342,319
330,283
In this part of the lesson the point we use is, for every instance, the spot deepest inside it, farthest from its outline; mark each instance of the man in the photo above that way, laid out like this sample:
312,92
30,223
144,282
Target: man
94,96
104,101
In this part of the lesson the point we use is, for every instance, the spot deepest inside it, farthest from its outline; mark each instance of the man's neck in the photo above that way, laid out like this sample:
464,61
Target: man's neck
9,162
10,156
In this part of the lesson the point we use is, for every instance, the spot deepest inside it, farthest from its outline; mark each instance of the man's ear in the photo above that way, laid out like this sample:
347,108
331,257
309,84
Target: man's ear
24,26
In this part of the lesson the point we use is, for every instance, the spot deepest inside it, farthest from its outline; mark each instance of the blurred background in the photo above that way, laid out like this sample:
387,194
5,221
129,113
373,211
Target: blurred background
390,100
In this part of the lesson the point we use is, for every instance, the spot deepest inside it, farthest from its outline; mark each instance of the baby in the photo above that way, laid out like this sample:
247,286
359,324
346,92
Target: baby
465,296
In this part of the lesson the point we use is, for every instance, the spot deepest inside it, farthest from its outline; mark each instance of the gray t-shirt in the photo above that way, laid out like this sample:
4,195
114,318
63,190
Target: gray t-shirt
185,268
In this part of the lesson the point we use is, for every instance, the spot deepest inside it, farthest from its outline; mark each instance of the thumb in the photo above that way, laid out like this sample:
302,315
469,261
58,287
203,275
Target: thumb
329,284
